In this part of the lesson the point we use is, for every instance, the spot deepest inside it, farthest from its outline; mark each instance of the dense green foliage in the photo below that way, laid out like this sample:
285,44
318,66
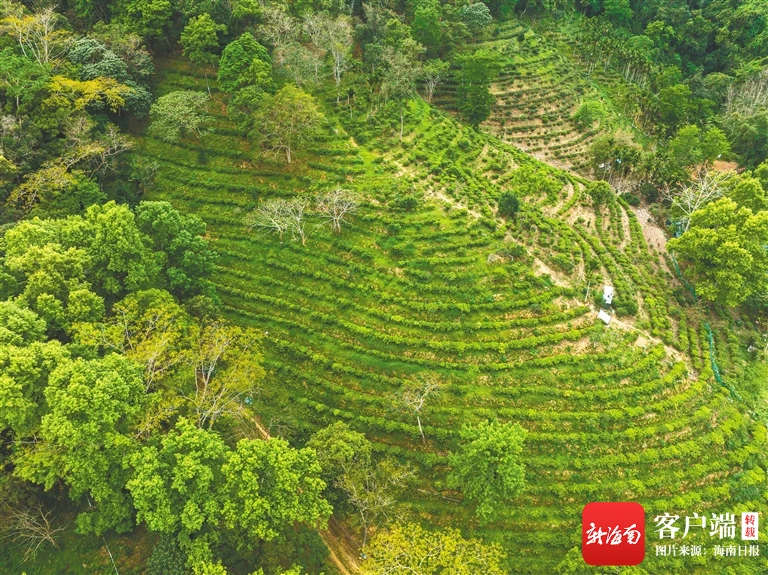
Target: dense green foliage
295,297
487,467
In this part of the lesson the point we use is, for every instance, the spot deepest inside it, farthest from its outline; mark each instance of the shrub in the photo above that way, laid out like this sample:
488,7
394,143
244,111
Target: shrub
631,199
407,202
167,558
589,112
600,192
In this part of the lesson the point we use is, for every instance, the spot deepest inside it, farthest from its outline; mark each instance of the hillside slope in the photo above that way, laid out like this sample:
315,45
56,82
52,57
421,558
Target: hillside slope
496,310
538,91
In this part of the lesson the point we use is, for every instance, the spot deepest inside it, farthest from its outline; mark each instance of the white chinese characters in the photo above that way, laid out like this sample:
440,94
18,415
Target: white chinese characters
613,535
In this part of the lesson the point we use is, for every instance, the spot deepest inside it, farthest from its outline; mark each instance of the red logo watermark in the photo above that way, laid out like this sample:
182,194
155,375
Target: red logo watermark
613,533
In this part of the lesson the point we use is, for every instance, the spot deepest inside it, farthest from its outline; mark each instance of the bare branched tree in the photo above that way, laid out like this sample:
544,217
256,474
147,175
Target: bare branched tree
112,143
332,36
706,187
747,98
300,63
295,210
373,489
226,368
278,28
270,215
39,35
280,216
31,528
433,73
414,396
334,205
314,25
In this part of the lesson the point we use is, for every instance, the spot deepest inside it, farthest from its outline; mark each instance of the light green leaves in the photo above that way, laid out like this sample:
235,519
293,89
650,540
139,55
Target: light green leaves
179,114
724,249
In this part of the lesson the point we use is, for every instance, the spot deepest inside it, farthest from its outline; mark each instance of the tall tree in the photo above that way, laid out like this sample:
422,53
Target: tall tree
86,435
200,40
415,394
618,11
195,487
399,83
286,120
176,485
706,187
334,37
178,114
724,252
244,62
476,16
226,364
487,466
748,192
426,25
433,72
148,18
269,486
478,70
371,487
40,35
24,373
335,205
148,327
509,204
187,259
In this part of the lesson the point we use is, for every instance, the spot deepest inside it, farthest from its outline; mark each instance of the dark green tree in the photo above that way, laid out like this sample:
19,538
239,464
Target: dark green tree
244,62
487,467
478,70
200,40
601,193
148,18
426,25
509,205
85,437
187,259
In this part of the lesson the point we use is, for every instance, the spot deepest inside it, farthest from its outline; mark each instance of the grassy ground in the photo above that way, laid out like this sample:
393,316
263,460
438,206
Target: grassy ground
496,310
76,554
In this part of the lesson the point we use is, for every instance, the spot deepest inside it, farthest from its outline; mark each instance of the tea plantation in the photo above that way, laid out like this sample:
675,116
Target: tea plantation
426,279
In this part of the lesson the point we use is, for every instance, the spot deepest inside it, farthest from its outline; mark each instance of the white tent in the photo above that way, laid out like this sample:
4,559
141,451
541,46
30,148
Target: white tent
604,316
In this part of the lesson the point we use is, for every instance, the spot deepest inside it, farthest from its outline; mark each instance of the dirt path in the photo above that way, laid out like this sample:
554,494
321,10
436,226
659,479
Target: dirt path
627,326
440,195
654,236
544,269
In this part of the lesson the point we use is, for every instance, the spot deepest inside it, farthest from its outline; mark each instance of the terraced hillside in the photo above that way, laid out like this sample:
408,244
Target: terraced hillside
425,279
537,93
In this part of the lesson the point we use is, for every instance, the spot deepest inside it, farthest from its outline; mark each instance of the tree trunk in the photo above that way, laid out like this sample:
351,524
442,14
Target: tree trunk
288,154
402,112
418,420
365,534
